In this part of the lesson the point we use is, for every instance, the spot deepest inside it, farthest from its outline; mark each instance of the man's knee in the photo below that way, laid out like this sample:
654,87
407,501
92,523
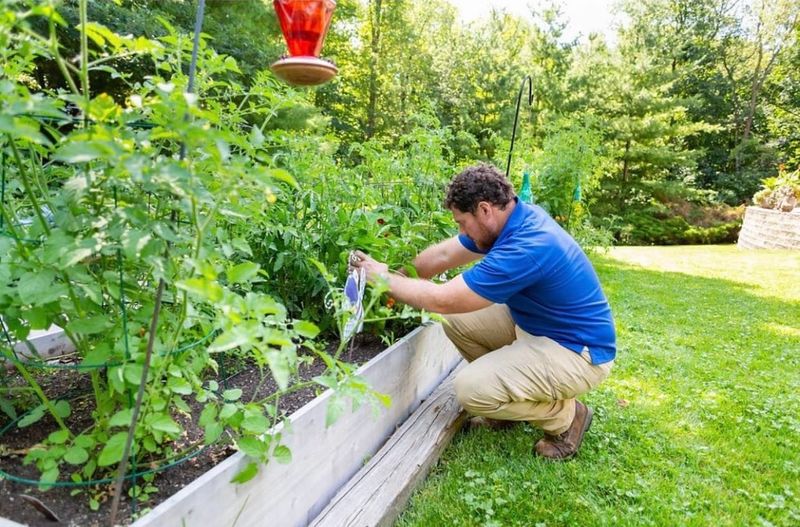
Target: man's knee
452,327
470,386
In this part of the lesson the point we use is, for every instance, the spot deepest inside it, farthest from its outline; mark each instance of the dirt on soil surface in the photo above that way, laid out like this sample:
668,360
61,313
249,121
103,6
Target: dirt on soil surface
26,504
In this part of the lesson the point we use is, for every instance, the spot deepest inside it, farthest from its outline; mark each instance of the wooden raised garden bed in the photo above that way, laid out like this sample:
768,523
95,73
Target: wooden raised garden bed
324,459
339,460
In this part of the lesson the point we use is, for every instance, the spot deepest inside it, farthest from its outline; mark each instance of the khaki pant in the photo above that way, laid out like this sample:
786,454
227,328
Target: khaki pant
515,376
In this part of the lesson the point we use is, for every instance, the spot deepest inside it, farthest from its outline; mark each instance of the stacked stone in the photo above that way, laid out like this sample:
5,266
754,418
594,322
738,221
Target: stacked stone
770,229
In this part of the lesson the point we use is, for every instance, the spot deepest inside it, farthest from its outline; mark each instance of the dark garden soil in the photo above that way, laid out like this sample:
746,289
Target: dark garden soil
73,510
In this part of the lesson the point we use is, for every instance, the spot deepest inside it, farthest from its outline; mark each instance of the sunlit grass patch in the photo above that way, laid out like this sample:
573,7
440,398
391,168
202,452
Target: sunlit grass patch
699,423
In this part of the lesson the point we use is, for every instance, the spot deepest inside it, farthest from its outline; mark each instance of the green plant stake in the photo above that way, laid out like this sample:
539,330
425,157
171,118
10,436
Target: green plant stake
525,193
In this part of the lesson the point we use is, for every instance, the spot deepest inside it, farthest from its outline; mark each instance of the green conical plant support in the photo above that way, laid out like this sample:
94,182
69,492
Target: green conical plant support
525,193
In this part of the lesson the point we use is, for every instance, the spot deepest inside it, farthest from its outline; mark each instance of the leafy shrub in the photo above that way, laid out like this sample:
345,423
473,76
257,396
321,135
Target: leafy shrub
388,205
653,227
672,213
566,174
565,168
779,192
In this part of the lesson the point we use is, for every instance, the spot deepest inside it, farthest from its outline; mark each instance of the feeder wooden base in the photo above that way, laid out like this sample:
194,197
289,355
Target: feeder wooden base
304,71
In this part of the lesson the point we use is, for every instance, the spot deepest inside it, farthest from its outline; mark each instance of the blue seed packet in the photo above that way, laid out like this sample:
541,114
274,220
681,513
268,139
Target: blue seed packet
354,296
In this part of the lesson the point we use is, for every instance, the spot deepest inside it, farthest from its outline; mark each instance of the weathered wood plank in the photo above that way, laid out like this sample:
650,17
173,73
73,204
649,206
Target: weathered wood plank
324,459
47,342
378,493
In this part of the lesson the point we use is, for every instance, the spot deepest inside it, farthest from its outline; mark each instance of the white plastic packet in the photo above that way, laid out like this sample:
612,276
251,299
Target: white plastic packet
354,296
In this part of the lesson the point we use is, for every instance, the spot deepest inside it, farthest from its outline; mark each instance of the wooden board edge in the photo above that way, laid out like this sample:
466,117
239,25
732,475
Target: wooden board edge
346,507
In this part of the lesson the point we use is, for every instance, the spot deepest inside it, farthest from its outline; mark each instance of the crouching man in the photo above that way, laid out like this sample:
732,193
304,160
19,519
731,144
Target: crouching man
530,318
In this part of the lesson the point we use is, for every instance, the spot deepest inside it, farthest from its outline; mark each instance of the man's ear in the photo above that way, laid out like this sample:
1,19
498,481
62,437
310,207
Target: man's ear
484,208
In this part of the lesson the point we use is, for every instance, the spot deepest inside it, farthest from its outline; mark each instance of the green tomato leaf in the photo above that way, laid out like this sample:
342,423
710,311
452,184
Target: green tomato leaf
113,450
329,381
384,399
32,417
232,394
336,407
8,408
306,329
282,175
255,423
164,423
62,409
243,272
252,447
37,288
76,455
229,340
58,437
133,373
179,386
228,410
206,289
212,432
246,474
282,454
121,418
208,415
49,476
90,325
279,365
84,441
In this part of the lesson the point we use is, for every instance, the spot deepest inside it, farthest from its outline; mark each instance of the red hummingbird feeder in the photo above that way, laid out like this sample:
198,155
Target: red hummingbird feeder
304,24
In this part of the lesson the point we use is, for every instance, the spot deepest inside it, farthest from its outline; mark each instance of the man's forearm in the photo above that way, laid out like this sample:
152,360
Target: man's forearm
428,264
442,257
421,294
448,298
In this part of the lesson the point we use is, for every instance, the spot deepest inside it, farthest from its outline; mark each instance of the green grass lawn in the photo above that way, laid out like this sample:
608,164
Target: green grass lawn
698,424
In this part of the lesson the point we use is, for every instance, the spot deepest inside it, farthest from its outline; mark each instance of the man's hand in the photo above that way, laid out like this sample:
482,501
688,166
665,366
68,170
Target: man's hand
374,269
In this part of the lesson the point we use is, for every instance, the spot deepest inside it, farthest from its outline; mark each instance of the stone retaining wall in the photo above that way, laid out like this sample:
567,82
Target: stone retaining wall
770,229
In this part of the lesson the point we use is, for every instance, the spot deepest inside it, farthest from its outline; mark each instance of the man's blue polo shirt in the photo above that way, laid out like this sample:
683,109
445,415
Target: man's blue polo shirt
543,276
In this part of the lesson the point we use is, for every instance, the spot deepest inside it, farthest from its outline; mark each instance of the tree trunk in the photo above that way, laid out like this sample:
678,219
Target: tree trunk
375,13
760,74
755,87
623,187
625,168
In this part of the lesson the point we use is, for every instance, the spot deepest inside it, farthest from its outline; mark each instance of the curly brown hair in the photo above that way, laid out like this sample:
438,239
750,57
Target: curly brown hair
478,183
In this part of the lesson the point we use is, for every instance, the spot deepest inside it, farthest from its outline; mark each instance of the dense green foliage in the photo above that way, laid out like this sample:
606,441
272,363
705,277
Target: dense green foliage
700,95
698,424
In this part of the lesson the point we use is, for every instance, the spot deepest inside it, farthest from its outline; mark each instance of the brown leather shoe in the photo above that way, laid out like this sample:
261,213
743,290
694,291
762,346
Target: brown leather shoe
487,422
566,445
